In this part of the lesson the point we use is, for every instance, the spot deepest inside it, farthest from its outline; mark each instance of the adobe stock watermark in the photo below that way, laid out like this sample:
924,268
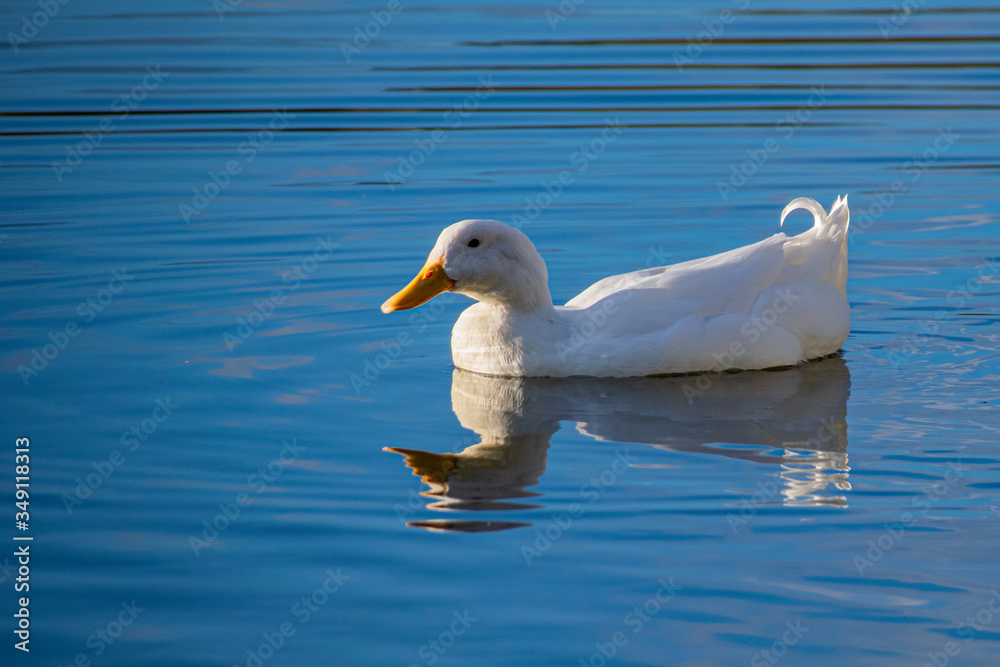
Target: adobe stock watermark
779,649
292,279
223,7
768,491
302,611
130,441
121,107
31,24
563,11
966,630
657,257
901,14
434,649
595,319
580,160
863,218
364,35
103,637
750,333
986,274
786,127
87,310
894,532
453,119
230,512
591,491
377,362
713,30
246,152
635,620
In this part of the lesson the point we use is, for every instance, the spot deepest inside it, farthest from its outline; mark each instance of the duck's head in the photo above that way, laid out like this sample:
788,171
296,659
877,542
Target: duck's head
484,259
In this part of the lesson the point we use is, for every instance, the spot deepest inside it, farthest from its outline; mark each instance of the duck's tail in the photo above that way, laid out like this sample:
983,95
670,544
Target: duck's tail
832,228
832,225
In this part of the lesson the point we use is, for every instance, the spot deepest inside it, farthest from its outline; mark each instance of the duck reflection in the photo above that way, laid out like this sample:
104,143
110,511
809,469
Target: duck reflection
794,418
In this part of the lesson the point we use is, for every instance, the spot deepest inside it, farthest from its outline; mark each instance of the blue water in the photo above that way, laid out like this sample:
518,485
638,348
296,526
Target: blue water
205,203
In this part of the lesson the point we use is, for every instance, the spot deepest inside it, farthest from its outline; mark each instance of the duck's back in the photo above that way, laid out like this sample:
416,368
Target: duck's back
711,285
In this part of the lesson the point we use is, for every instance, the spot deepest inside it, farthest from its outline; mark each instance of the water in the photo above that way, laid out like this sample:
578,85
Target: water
207,424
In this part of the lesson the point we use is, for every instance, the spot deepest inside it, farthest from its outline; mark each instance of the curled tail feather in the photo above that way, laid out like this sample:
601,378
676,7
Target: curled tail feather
832,226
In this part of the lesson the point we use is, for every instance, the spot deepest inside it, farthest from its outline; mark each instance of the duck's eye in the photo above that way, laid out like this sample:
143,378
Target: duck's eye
474,243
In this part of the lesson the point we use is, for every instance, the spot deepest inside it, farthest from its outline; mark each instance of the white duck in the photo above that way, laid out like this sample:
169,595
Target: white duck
774,303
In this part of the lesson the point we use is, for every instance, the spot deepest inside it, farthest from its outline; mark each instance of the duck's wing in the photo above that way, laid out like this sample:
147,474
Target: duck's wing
729,282
681,318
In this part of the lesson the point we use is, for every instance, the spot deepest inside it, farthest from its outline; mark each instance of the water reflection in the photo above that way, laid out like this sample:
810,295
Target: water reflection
794,418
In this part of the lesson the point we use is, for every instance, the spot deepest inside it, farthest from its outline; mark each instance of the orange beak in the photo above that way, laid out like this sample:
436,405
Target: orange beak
430,282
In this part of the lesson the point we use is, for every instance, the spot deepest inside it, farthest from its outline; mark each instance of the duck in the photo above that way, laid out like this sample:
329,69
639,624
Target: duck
776,303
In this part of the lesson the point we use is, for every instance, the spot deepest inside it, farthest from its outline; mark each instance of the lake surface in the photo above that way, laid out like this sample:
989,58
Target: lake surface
204,204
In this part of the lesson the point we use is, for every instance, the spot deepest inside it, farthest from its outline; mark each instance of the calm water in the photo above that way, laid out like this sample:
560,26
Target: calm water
204,204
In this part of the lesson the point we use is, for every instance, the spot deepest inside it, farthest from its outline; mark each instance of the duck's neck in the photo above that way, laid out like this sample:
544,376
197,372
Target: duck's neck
521,290
524,298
